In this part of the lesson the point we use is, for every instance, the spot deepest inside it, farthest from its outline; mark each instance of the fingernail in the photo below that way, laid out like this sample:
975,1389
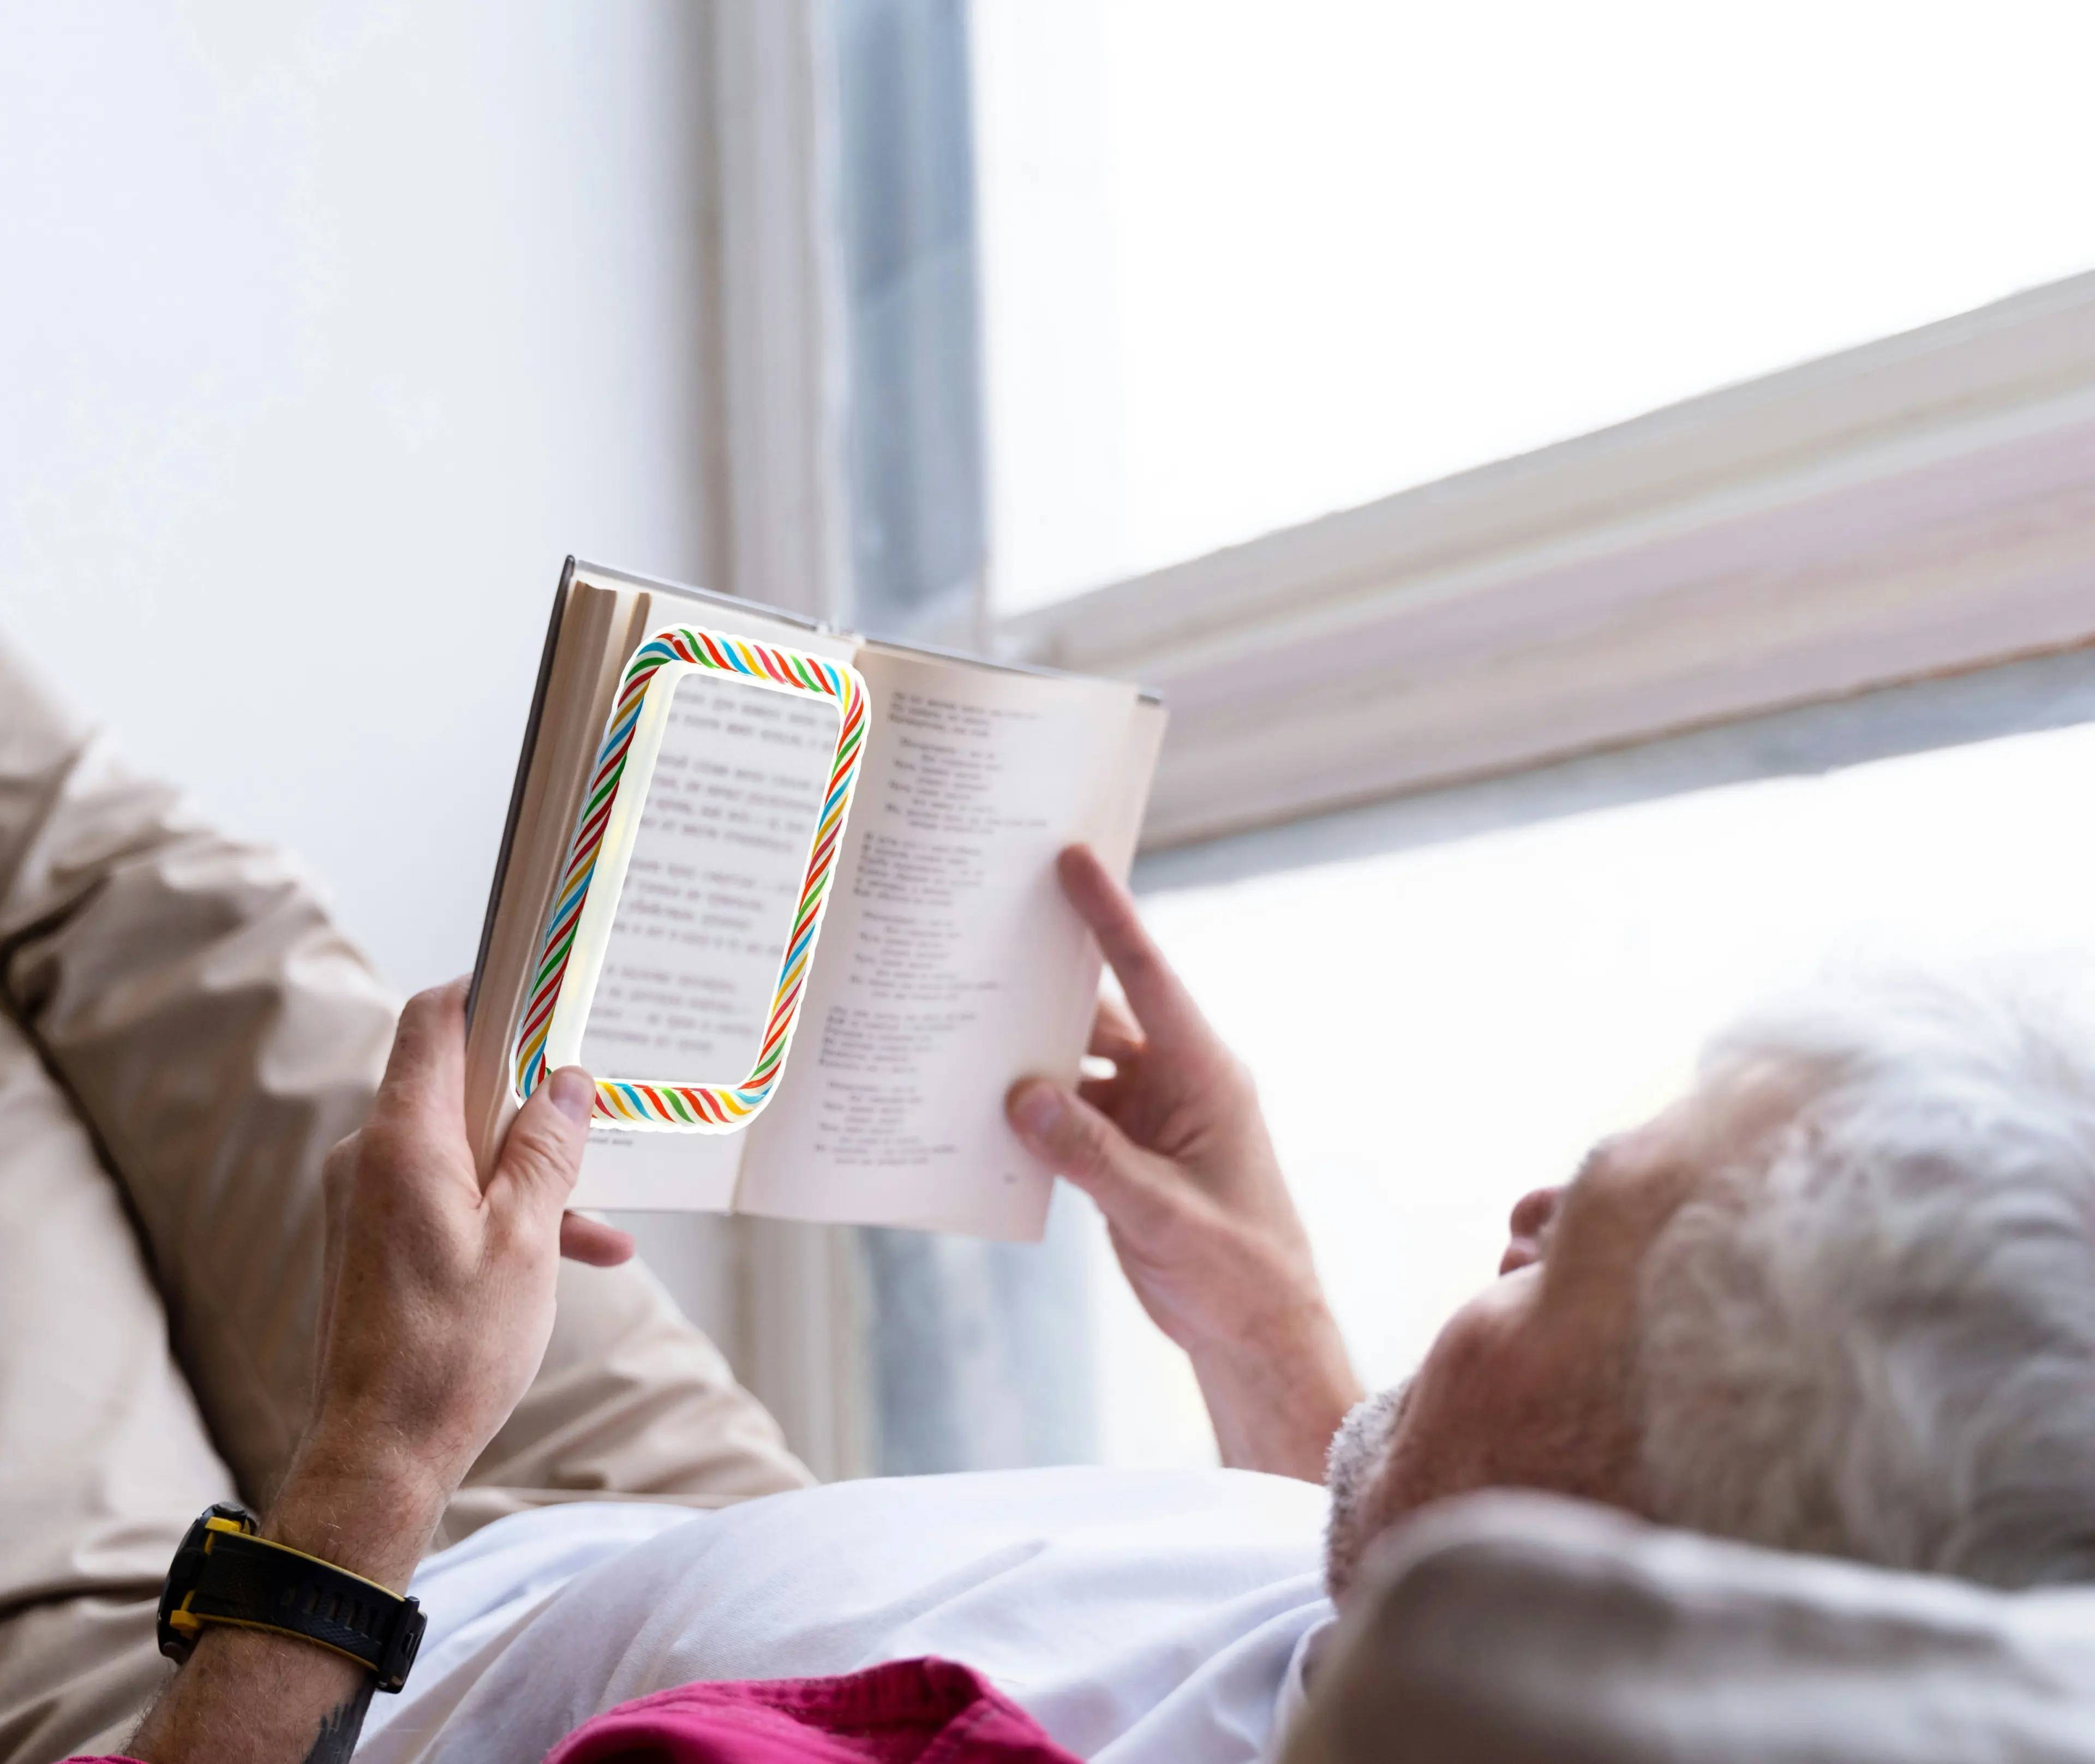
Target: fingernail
573,1092
1038,1110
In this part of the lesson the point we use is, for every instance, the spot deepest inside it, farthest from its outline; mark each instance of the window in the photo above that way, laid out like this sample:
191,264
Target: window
1246,263
1416,313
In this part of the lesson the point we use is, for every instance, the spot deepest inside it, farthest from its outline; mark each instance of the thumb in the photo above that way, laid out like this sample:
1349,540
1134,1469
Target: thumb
542,1154
1066,1131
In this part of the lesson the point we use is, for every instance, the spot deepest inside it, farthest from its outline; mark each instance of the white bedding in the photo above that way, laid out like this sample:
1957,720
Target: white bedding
1505,1628
1141,1616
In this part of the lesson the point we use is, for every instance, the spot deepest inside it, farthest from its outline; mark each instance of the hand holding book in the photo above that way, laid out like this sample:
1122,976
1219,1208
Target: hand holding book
1173,1149
948,964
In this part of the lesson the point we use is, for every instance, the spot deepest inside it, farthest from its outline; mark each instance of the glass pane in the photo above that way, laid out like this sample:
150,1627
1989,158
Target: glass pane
906,216
978,1351
1435,1032
1245,262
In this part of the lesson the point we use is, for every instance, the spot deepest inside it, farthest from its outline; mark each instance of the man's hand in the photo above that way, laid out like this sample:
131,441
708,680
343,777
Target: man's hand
438,1300
436,1307
1175,1152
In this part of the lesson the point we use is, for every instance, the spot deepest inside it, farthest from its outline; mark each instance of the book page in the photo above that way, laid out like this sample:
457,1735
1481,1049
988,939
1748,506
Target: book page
695,911
950,965
689,974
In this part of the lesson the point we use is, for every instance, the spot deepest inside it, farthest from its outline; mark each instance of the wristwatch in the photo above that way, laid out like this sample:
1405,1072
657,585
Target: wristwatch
224,1573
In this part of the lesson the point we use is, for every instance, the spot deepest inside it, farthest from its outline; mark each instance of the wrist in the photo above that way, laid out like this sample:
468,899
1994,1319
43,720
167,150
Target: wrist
1277,1394
360,1501
1280,1332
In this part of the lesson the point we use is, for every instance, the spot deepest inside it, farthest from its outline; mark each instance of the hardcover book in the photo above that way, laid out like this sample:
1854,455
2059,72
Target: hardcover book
788,893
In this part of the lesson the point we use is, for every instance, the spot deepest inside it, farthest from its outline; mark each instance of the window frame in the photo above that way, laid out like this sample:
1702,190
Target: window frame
1919,506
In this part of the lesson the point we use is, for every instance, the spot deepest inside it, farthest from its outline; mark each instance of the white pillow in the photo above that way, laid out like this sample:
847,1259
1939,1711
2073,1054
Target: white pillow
1507,1627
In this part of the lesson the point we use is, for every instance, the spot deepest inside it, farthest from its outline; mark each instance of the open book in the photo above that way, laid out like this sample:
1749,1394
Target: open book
945,965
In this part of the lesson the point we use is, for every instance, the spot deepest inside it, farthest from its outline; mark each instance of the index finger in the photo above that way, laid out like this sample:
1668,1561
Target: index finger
426,1067
1159,999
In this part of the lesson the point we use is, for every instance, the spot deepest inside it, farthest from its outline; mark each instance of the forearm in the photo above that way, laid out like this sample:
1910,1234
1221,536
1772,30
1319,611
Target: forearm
246,1696
1277,1395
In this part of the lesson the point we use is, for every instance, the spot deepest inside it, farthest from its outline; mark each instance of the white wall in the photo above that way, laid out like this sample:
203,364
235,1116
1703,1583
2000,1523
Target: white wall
326,331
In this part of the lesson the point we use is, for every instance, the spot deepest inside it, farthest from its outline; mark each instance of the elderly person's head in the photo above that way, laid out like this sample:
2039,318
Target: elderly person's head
1839,1299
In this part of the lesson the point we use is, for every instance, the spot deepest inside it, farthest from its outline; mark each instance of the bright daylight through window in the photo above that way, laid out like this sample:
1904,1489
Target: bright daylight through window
1435,1032
1244,263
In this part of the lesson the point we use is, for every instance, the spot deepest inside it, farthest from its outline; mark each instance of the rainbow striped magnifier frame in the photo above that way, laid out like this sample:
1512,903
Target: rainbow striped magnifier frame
604,831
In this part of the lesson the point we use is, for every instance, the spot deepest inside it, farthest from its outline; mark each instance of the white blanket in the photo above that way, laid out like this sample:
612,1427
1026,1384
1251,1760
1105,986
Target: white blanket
1142,1618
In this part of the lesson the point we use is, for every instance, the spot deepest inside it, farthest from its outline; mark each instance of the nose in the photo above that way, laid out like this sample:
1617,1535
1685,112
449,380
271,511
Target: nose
1531,1214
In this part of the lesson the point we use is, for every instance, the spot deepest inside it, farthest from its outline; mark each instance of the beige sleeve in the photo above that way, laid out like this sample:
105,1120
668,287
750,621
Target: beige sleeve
217,1033
213,1030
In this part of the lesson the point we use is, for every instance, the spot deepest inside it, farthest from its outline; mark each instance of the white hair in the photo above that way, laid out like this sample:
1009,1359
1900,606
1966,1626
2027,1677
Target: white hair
1875,1336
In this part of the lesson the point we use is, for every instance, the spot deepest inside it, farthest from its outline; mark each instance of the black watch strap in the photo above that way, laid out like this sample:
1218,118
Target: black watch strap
225,1573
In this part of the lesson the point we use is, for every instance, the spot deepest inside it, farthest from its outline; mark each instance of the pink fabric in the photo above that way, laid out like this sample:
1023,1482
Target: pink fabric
907,1711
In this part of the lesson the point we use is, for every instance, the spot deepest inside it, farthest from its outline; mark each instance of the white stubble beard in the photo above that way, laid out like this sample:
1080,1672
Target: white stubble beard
1359,1450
